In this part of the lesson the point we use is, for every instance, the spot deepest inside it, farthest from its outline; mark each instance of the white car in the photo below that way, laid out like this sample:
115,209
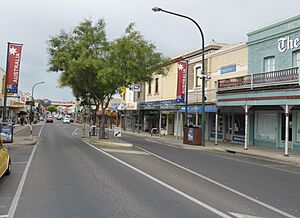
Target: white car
66,120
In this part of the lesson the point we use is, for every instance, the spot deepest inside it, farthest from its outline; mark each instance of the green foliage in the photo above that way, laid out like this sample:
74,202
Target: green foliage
95,68
52,108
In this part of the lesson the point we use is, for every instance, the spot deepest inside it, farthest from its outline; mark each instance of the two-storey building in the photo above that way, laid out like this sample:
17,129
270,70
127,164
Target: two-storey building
269,96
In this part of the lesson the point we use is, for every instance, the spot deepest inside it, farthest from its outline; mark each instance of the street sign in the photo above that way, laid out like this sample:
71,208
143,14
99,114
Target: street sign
136,88
117,132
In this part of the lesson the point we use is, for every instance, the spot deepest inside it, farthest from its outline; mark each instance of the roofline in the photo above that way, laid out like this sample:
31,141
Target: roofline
277,23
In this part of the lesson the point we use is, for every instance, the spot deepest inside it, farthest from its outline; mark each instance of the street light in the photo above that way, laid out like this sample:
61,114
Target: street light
31,115
156,9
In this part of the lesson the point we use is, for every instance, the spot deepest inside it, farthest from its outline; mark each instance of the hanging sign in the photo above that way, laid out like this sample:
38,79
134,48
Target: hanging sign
13,68
181,79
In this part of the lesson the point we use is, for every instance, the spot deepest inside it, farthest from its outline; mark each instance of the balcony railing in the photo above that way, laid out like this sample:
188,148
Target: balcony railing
195,96
274,78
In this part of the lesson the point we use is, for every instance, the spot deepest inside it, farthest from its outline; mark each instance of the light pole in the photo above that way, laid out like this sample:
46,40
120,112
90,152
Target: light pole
156,9
31,115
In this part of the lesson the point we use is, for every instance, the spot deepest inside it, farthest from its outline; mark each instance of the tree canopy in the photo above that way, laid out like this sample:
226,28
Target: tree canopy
95,68
52,108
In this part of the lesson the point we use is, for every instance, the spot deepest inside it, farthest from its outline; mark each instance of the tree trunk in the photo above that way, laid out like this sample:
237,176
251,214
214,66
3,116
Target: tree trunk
102,126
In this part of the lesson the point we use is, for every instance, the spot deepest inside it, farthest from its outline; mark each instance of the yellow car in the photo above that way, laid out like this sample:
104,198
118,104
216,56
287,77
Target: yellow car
5,162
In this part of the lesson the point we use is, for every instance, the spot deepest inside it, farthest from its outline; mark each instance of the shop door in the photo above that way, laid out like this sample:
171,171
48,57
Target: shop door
228,127
170,124
283,129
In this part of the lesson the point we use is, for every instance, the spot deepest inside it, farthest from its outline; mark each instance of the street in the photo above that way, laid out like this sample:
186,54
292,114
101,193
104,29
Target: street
67,177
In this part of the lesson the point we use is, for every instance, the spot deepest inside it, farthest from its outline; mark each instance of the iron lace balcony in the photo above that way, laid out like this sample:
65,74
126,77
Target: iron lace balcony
273,78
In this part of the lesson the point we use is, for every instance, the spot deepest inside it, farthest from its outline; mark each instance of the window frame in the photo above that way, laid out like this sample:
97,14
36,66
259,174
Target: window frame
156,88
268,63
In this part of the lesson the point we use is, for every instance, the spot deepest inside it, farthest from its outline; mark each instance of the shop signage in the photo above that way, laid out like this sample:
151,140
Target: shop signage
121,107
198,109
181,79
136,88
156,105
286,43
131,106
228,69
13,68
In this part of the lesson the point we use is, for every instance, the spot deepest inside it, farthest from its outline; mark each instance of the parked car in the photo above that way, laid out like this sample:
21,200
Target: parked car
66,120
49,119
5,162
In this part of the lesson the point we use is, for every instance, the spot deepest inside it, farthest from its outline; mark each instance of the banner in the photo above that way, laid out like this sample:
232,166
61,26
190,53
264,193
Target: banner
181,79
13,68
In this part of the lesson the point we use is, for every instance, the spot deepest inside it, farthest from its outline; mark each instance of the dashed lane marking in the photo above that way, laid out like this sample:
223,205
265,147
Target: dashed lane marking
196,201
223,186
111,150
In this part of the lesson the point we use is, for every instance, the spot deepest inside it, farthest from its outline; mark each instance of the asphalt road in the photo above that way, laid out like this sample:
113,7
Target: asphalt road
66,177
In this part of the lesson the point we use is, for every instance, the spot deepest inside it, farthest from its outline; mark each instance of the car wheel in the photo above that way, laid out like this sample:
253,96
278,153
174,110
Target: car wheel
8,171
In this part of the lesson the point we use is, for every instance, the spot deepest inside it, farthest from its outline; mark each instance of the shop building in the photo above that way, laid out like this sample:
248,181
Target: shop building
269,96
229,60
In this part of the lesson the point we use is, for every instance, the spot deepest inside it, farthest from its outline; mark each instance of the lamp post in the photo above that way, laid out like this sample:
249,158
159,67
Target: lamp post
156,9
31,115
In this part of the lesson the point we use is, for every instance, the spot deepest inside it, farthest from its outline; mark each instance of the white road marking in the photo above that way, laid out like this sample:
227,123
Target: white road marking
19,163
240,215
196,201
3,216
124,151
223,186
41,130
270,166
15,201
74,131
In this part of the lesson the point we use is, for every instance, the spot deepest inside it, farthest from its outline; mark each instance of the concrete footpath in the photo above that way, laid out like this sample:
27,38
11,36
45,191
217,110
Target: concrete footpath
21,140
274,154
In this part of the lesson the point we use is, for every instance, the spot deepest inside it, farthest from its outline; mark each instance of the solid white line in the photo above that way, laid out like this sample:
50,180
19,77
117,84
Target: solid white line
223,186
196,201
15,201
3,216
74,131
41,130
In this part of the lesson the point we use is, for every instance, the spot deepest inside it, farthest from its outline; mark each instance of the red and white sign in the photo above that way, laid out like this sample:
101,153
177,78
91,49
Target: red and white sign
63,103
181,78
13,68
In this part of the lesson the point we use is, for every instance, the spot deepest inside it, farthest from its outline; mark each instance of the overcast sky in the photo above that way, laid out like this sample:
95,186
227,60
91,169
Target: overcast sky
32,22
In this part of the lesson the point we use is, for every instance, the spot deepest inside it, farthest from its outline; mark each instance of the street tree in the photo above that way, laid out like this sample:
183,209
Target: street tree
96,68
52,108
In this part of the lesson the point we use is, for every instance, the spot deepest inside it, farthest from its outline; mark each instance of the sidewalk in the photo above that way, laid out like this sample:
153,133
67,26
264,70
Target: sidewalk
274,154
21,140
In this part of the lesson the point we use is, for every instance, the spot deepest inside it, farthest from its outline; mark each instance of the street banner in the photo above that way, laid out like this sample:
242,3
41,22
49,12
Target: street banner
181,79
13,68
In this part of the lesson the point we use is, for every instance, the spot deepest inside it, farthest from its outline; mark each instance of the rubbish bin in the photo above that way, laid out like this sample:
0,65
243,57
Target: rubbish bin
192,135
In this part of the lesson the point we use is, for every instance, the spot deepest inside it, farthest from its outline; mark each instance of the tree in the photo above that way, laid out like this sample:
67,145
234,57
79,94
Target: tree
95,68
52,108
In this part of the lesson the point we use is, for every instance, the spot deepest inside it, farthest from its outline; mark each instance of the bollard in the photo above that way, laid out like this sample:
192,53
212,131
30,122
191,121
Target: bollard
30,132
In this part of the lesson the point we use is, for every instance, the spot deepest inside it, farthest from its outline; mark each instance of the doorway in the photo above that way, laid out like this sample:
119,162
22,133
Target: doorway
228,126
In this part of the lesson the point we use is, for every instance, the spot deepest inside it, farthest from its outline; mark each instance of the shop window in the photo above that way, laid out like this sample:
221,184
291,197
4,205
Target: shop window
239,124
266,125
296,58
156,85
269,64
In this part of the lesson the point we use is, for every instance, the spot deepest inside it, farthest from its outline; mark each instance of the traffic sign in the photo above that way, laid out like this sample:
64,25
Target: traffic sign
117,132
